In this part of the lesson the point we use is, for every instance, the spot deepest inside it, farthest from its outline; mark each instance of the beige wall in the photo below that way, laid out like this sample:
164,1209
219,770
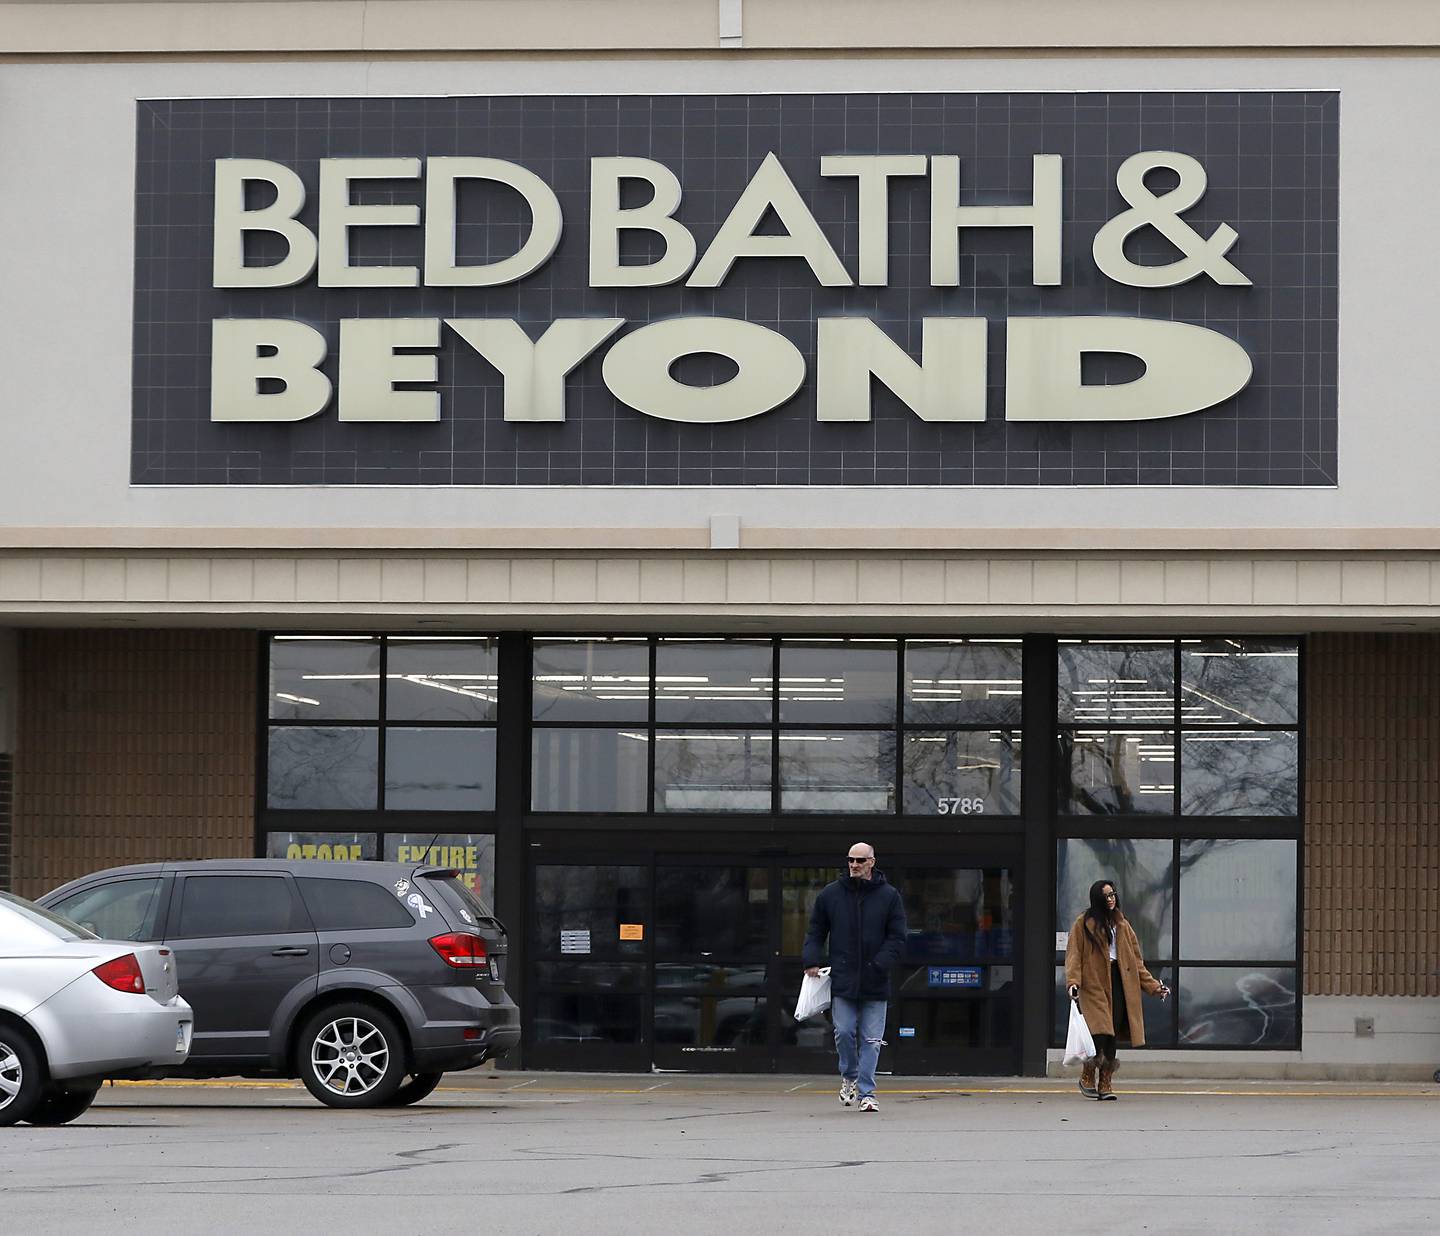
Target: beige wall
499,26
710,589
134,746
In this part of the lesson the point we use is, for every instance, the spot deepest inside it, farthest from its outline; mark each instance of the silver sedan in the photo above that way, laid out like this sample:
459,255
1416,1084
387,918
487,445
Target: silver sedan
75,1010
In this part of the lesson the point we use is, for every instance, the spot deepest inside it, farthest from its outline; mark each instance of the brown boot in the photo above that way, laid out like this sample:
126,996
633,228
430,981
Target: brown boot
1087,1080
1107,1075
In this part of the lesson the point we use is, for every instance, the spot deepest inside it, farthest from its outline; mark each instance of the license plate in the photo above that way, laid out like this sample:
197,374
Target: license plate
181,1035
495,969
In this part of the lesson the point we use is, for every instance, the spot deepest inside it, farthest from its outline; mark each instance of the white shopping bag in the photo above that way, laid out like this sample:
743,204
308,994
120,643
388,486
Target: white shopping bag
814,995
1079,1046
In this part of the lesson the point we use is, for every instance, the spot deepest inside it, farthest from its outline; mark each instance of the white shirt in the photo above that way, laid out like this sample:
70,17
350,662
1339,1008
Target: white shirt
1112,944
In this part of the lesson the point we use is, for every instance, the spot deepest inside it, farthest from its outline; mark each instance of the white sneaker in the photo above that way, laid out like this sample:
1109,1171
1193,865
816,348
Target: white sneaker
848,1091
869,1104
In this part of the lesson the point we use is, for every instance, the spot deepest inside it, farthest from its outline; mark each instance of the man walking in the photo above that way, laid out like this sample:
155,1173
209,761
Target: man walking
863,918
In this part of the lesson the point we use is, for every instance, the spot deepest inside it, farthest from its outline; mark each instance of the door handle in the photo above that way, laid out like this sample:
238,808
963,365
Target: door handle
289,952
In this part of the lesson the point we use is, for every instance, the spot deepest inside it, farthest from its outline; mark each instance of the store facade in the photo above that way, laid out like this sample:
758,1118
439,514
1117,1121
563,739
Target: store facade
632,476
684,799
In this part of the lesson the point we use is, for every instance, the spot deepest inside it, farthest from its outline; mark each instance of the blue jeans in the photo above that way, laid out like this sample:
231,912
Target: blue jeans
859,1028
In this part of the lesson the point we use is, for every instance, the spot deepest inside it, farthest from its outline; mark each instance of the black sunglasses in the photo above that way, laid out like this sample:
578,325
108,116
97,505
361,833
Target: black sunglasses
862,861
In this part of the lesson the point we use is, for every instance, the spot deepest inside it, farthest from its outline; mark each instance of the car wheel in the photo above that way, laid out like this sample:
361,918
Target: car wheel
22,1079
62,1106
351,1055
415,1089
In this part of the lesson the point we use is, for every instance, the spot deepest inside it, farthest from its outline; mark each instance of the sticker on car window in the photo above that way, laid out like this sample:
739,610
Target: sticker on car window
402,887
421,907
465,914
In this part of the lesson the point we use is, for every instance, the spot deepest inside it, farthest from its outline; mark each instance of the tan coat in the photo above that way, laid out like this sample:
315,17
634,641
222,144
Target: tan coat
1087,966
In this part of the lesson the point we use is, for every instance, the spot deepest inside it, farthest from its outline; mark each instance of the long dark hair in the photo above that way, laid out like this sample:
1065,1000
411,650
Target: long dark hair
1101,913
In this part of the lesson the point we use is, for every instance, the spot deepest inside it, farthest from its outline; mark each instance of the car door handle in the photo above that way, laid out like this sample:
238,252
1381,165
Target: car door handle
289,952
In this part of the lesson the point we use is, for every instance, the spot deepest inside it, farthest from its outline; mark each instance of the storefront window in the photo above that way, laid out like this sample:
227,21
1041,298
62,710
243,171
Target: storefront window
1234,900
713,771
590,680
1143,871
839,681
713,680
588,769
958,914
328,767
708,714
1117,772
1102,684
1159,1014
1240,772
1236,750
337,847
962,682
1237,1006
962,772
471,854
1240,681
371,760
440,680
1237,900
439,769
329,679
847,771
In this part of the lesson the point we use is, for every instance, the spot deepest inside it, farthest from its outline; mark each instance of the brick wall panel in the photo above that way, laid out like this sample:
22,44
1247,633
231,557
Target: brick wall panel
133,746
1372,802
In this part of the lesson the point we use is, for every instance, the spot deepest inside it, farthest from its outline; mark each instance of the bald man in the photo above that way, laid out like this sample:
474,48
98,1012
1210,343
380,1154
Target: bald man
862,918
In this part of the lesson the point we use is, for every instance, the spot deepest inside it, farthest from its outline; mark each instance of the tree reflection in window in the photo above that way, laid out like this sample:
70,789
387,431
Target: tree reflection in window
1225,1007
1235,772
1117,772
1240,681
322,767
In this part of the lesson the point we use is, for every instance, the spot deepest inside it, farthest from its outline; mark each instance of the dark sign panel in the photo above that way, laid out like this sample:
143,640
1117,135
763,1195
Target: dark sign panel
899,289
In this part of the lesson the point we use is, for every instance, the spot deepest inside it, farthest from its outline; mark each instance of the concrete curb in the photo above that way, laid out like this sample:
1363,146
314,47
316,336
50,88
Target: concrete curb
623,1085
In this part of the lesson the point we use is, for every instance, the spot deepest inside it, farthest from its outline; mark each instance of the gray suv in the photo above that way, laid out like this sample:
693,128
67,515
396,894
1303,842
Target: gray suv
365,980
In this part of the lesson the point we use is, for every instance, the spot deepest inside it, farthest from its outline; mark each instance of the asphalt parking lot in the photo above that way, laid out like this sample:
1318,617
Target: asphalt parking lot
546,1153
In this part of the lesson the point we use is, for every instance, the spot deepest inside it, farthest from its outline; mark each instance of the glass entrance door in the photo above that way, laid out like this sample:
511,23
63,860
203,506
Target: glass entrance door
954,996
711,965
693,962
587,1000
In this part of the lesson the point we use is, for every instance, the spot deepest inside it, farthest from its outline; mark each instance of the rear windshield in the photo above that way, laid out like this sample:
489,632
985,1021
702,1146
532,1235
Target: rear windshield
463,898
54,924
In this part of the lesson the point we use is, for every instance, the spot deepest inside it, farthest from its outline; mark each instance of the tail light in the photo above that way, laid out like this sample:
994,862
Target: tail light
461,949
123,974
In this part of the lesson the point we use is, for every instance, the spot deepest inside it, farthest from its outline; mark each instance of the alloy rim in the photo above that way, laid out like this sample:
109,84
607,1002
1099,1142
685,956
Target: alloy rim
12,1074
350,1056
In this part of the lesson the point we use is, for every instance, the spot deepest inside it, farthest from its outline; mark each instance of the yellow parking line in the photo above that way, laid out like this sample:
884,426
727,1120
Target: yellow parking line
219,1083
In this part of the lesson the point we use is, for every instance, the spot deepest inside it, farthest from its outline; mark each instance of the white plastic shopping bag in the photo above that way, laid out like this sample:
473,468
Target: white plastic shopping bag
1079,1046
814,995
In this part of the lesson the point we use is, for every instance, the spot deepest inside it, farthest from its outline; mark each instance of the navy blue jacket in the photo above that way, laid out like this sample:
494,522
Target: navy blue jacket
865,923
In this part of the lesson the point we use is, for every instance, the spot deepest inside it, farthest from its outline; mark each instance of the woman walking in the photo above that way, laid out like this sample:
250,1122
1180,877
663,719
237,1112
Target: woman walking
1106,974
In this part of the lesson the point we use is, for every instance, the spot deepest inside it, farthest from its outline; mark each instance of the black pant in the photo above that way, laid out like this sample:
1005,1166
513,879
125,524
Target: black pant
1119,1018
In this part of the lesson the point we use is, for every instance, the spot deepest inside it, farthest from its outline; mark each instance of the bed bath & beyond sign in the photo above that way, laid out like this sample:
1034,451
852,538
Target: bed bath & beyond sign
268,369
